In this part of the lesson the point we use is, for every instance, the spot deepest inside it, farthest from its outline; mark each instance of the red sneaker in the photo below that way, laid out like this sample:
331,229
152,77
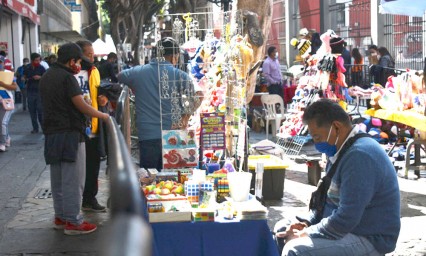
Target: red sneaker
83,228
59,223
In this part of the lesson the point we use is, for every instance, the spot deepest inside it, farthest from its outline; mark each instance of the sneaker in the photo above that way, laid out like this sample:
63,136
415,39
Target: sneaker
34,131
7,142
83,228
59,223
2,148
93,207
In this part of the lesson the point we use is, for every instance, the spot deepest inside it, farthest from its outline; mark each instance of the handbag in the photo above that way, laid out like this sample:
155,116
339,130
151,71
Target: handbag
8,104
319,196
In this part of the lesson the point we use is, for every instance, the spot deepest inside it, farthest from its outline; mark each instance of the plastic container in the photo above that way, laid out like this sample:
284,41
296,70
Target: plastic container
239,185
273,175
259,180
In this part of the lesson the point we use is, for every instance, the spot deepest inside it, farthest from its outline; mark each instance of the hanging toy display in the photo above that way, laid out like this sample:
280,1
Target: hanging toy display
303,45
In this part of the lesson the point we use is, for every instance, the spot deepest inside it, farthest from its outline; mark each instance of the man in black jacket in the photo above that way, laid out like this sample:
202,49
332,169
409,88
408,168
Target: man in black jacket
64,124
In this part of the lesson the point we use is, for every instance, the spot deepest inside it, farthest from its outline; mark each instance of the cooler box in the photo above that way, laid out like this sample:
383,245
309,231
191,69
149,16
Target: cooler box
273,175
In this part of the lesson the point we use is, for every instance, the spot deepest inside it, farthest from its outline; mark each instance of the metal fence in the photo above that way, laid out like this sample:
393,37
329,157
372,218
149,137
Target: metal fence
404,37
351,21
122,115
129,233
358,75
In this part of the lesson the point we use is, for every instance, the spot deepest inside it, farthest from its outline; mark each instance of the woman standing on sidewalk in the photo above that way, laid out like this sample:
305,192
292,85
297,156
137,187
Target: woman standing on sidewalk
5,113
356,70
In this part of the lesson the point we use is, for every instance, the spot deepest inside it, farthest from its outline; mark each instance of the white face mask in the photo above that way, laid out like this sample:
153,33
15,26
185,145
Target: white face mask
276,55
378,56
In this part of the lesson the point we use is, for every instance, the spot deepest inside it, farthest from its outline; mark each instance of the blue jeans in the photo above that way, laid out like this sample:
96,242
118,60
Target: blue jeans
349,245
34,106
4,124
150,154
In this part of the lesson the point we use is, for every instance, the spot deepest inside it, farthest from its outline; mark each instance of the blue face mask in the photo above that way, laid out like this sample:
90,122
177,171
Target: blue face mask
325,147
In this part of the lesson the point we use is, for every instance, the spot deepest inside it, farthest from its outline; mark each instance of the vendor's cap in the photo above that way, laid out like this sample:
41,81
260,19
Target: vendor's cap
303,32
168,46
336,41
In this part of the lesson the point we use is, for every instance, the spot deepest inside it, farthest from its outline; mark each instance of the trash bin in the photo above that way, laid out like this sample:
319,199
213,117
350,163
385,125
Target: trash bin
273,175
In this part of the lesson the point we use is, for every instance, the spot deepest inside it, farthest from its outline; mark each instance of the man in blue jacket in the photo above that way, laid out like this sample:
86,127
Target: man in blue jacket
33,75
20,80
361,214
156,112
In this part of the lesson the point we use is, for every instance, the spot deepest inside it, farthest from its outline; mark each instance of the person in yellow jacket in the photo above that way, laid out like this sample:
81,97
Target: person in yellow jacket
89,80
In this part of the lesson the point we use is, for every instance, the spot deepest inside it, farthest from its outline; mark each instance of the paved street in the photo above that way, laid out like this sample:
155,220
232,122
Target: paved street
26,221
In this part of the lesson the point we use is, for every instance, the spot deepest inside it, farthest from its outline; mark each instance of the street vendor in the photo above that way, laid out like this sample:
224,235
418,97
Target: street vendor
156,112
271,71
360,211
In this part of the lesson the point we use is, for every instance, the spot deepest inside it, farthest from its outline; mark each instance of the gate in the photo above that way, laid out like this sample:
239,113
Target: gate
404,37
350,19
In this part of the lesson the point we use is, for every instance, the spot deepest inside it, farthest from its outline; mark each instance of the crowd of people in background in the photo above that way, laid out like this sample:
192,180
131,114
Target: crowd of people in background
66,103
363,67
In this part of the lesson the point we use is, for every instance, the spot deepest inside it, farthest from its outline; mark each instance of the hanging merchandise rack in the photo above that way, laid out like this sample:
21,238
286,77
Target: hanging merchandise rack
218,67
292,144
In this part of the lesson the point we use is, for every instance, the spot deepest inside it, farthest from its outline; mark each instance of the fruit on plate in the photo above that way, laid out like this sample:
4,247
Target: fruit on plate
160,184
165,191
168,184
178,190
150,188
157,191
164,188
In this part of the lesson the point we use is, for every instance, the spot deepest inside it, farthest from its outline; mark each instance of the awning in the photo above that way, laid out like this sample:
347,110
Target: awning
69,36
22,9
102,48
415,8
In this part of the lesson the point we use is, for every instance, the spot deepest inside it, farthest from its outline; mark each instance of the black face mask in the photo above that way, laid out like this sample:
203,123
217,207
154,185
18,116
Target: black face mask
85,64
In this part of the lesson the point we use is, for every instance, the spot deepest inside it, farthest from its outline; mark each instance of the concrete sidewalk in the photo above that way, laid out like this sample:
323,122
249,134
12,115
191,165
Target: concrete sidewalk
26,221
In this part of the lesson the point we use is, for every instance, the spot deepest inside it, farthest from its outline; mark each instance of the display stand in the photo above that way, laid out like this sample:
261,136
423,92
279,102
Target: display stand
412,119
219,68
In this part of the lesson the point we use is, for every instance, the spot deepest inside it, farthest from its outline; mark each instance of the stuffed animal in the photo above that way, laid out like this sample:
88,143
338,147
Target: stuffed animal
303,45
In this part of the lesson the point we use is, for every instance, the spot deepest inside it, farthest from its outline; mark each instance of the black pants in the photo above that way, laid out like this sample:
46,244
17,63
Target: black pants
357,79
150,154
276,89
93,164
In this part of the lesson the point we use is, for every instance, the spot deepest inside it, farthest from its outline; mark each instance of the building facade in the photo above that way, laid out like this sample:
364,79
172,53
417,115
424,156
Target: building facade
19,34
60,22
28,26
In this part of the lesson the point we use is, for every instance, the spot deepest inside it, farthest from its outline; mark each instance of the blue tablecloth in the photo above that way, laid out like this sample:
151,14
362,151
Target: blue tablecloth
212,238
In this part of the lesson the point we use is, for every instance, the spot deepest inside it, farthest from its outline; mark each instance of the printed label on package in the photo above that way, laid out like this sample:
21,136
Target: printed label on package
212,131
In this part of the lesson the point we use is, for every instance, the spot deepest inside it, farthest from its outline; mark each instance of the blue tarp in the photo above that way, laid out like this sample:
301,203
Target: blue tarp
415,8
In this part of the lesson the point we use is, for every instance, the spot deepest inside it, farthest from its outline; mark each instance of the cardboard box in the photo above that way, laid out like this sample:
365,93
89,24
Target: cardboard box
184,213
170,217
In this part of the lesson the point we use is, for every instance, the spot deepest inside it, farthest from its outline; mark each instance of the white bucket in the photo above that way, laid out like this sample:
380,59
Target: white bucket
239,185
198,176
